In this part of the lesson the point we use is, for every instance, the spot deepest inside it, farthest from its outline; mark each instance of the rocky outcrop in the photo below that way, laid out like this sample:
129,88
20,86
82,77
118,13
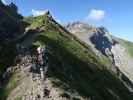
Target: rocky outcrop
104,43
11,23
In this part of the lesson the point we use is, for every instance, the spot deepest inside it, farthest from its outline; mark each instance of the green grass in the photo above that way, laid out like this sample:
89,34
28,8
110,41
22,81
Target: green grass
77,68
7,89
37,22
18,98
129,46
87,79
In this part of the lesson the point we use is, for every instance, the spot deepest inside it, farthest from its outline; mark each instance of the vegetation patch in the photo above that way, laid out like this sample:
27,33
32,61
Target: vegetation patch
7,88
78,68
129,46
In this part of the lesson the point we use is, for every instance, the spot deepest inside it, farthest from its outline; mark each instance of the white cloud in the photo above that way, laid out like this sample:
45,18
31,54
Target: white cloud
96,15
38,12
4,1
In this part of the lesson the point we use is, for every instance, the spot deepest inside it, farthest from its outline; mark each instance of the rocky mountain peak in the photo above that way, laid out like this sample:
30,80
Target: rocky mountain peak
47,13
97,37
79,27
78,24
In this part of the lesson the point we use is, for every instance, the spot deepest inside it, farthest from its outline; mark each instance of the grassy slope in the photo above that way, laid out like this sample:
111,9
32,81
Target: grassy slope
129,46
73,66
12,84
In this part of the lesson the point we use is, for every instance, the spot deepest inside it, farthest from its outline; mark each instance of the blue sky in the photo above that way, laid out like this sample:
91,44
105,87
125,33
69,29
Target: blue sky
115,15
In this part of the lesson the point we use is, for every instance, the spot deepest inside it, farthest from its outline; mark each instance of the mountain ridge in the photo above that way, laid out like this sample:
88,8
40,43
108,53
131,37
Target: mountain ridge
67,68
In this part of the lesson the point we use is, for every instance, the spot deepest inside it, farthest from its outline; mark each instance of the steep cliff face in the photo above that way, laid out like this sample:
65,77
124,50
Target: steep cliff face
123,58
10,21
11,26
104,43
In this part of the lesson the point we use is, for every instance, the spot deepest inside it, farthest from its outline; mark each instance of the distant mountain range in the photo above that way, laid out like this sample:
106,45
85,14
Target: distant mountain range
117,50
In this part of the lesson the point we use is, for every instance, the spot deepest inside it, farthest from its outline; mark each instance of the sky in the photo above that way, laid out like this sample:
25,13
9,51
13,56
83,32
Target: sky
115,15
